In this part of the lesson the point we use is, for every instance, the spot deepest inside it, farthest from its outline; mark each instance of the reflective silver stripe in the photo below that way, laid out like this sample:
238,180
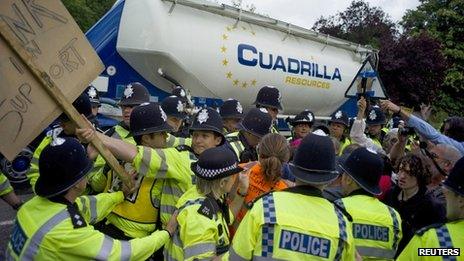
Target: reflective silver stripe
343,236
167,209
181,141
156,202
36,240
35,161
105,249
146,159
396,228
168,257
116,135
170,141
84,204
234,256
376,252
4,185
199,249
163,165
172,191
8,255
93,209
125,250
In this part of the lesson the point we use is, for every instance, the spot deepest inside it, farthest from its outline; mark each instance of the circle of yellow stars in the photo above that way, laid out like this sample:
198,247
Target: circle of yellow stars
230,76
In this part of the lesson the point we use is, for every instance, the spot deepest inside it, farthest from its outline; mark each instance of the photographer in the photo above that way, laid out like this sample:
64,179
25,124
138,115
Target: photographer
453,133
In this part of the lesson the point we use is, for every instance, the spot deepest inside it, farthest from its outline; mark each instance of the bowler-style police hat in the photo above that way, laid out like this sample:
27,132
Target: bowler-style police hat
340,117
365,168
314,160
455,180
257,122
174,107
93,95
231,109
216,163
148,118
269,96
305,116
375,116
208,119
82,105
62,164
134,94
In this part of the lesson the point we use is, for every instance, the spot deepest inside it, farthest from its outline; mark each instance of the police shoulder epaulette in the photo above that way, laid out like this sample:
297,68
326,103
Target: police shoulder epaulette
209,208
251,203
339,205
421,231
109,132
232,138
181,148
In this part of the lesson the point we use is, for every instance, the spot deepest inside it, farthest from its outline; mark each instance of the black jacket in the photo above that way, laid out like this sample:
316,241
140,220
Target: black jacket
421,210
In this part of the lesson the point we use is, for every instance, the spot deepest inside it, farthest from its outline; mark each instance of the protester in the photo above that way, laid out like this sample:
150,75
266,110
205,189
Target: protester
410,198
447,235
56,224
281,223
204,215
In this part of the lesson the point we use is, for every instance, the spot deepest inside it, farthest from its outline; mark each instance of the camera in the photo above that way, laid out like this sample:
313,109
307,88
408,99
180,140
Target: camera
406,131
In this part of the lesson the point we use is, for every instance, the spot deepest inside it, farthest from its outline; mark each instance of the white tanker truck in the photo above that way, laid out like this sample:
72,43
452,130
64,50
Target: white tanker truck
219,52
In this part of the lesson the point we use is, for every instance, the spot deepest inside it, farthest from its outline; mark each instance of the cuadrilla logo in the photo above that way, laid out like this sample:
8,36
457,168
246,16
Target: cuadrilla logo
228,50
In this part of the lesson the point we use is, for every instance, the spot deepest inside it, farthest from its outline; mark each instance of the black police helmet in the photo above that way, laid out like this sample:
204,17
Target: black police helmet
231,109
340,117
82,105
94,97
174,107
269,96
181,93
148,118
62,164
305,116
376,116
365,167
314,160
208,119
134,94
257,122
455,180
216,163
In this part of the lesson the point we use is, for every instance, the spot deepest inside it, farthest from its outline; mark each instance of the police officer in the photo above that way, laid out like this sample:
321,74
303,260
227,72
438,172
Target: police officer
7,193
232,113
270,98
446,236
175,111
204,213
298,223
375,122
376,226
302,124
56,224
338,125
66,128
94,99
255,124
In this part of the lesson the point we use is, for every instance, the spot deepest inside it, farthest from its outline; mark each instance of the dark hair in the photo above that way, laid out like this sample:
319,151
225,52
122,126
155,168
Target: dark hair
455,128
273,151
417,168
138,139
350,148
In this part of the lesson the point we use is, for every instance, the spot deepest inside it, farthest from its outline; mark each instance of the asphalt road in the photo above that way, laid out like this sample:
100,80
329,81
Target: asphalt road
7,216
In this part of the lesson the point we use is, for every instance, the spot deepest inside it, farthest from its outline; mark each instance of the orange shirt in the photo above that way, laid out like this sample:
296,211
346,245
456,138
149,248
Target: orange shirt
258,186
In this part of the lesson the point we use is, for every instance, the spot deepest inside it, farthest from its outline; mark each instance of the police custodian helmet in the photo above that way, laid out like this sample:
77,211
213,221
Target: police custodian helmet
269,96
148,118
134,94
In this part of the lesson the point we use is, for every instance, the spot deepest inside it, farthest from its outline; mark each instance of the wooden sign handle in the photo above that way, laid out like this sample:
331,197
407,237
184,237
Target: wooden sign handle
49,86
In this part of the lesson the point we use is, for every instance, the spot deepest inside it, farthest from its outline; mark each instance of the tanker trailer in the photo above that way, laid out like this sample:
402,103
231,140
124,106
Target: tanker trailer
218,52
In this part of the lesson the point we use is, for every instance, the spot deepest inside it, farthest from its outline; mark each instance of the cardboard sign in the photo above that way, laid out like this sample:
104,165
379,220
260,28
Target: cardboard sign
56,45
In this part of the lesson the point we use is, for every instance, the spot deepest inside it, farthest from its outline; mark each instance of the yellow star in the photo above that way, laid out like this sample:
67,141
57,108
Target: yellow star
253,82
228,29
244,28
223,49
229,75
244,85
235,82
225,62
253,33
224,36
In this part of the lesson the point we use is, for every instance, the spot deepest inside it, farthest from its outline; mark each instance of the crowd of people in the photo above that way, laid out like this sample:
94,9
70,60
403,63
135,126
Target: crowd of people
222,183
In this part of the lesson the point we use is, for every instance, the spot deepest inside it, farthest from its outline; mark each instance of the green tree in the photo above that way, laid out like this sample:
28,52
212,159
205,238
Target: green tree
444,19
87,12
